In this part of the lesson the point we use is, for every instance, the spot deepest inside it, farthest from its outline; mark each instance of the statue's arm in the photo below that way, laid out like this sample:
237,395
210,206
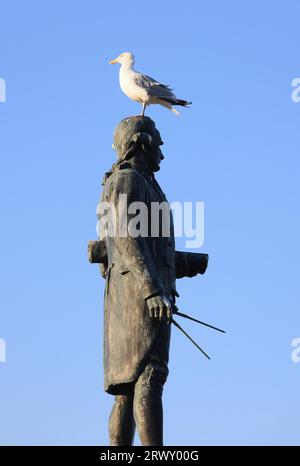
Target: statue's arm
135,252
189,264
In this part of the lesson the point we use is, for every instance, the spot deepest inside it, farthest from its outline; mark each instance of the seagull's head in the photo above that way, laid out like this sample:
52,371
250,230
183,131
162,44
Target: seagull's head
125,58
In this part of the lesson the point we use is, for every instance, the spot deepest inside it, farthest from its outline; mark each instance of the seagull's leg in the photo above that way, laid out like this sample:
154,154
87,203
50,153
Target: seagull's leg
144,108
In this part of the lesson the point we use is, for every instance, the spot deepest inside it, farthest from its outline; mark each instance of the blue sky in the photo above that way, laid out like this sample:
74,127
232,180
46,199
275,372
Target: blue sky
237,149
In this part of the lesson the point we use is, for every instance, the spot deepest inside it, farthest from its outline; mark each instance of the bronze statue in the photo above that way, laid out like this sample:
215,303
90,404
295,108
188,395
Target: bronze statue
140,272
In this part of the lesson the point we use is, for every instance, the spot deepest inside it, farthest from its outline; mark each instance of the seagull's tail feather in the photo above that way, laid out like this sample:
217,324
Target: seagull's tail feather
183,103
166,103
174,101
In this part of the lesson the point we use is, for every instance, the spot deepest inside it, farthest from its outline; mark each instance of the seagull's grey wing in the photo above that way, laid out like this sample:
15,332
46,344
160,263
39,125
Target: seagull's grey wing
147,82
162,92
158,91
153,82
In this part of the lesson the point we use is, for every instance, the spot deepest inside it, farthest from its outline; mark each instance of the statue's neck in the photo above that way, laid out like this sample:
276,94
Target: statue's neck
139,162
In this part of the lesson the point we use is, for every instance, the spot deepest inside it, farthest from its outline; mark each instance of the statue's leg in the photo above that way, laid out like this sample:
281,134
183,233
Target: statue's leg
147,405
121,421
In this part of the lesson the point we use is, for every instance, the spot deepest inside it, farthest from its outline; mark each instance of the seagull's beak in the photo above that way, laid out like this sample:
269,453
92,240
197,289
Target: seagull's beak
112,62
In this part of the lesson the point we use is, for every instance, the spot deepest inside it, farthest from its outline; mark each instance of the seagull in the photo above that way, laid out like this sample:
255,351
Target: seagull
143,89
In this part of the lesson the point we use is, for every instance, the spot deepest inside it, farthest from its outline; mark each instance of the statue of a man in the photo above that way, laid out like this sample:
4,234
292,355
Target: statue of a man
139,262
140,289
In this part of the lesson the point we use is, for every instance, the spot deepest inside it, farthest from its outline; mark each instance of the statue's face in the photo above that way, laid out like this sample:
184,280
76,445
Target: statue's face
156,155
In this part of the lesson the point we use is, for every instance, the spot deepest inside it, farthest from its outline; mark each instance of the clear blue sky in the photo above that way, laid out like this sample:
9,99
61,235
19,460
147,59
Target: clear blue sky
237,149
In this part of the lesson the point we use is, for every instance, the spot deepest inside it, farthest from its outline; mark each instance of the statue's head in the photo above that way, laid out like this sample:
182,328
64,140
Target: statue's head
136,137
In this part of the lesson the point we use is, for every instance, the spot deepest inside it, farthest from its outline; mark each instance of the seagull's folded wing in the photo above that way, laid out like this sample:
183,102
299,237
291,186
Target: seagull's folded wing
145,81
154,88
162,92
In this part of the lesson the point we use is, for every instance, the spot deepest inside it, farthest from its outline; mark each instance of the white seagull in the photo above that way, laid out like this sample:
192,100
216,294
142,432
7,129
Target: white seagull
141,88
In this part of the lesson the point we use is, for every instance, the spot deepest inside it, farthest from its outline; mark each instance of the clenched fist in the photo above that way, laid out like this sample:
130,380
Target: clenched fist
160,308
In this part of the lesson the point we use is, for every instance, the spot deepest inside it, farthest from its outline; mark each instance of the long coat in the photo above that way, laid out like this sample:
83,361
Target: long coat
138,267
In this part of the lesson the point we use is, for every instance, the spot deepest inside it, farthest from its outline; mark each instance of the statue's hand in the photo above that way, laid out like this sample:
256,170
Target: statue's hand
160,307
